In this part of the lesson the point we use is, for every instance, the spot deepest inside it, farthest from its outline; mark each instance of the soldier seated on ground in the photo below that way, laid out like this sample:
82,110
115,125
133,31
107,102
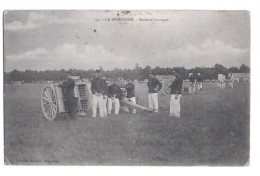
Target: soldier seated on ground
130,87
114,94
69,85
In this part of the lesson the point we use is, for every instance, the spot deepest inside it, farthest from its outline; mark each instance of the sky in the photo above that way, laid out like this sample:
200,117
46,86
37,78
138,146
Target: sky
48,40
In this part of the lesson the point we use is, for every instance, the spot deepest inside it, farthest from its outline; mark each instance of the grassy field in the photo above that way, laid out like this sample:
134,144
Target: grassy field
213,130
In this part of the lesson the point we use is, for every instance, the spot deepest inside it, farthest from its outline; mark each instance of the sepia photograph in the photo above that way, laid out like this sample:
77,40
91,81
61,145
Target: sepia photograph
126,87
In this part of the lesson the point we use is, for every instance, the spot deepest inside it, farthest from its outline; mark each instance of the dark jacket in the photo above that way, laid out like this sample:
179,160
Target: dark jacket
130,87
176,85
199,78
98,85
70,97
192,79
114,91
152,84
69,86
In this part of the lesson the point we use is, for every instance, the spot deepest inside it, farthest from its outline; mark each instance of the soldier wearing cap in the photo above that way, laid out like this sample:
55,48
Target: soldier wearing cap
199,81
70,96
130,87
154,85
176,87
114,94
98,88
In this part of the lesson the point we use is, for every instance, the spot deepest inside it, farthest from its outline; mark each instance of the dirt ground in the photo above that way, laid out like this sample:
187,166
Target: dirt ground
213,130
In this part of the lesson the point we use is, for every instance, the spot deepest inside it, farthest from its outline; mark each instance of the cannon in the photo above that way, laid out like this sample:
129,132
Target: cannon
53,101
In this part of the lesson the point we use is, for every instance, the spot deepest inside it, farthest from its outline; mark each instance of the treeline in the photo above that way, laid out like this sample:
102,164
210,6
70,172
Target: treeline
138,73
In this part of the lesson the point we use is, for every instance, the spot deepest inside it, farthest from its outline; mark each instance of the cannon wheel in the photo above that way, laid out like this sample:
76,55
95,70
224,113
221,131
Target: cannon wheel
165,86
49,102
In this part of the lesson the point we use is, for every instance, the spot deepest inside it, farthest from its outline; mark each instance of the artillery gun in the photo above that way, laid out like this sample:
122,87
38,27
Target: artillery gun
53,101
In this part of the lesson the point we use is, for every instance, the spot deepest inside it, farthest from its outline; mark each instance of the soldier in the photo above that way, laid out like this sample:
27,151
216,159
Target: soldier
70,96
218,81
231,80
222,80
114,94
176,87
130,87
106,79
192,83
98,88
154,85
199,81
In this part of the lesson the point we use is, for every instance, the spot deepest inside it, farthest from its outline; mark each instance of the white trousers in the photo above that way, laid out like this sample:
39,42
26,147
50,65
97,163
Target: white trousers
199,85
231,84
115,102
222,85
175,107
153,101
98,102
192,87
105,106
133,100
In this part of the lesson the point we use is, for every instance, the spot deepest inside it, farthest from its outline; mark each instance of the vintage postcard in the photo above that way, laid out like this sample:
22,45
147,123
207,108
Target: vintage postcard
127,87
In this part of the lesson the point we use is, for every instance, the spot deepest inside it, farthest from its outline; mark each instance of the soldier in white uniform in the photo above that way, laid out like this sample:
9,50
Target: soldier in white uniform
222,80
231,81
192,83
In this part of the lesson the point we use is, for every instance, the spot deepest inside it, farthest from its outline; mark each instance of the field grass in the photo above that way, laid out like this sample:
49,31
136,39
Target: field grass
213,130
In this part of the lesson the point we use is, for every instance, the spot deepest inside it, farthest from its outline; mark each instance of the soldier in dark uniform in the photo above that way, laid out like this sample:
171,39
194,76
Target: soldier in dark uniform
70,96
199,81
176,87
98,88
154,85
114,95
130,87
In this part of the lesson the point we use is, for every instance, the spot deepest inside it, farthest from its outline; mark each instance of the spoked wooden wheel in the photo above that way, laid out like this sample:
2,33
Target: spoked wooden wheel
49,102
165,86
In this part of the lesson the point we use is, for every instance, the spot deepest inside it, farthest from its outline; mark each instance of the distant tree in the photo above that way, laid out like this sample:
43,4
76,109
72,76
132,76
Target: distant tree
136,73
15,75
244,69
233,70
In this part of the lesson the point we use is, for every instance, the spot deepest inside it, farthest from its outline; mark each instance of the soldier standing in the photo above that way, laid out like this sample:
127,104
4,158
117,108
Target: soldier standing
154,85
176,87
70,96
98,88
199,81
231,80
192,83
222,80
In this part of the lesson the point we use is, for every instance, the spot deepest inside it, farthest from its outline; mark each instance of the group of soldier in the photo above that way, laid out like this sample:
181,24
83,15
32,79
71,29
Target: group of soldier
198,80
106,94
195,80
221,82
